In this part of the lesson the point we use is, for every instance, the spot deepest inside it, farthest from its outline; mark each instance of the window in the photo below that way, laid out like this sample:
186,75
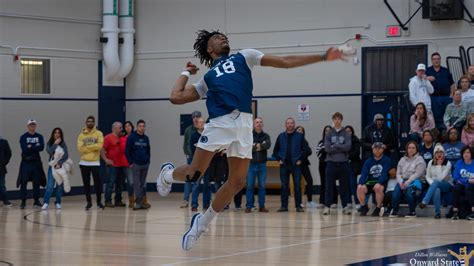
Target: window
35,78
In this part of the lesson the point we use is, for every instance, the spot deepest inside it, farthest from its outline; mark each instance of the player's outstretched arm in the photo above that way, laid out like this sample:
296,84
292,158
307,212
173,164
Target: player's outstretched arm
182,93
291,61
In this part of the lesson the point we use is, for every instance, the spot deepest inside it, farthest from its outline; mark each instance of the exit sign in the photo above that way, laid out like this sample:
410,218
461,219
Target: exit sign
394,31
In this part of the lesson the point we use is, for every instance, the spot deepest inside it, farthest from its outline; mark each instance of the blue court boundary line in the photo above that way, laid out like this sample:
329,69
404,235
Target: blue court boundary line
263,97
48,99
167,99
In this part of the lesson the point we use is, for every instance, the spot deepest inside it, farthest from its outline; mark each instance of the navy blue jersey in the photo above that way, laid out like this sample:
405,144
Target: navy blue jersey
228,83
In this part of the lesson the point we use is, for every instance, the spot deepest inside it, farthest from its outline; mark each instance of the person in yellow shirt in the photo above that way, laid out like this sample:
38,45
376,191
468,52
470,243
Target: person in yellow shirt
89,145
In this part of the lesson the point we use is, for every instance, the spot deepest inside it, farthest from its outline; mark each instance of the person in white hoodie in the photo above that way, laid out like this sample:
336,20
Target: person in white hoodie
410,170
438,175
420,88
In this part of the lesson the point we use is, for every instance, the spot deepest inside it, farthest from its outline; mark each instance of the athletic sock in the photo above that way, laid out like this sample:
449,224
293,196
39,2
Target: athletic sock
208,216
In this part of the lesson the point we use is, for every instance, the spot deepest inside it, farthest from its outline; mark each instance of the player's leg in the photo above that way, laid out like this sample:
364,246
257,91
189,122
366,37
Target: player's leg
189,173
237,175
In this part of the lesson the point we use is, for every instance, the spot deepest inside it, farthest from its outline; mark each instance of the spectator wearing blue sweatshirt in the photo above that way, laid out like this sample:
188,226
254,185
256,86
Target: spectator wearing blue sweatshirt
453,147
31,167
427,146
373,178
463,176
137,151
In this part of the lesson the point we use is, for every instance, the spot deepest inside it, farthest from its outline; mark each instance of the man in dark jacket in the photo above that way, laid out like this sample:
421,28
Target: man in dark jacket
31,167
138,155
258,166
5,156
377,132
289,150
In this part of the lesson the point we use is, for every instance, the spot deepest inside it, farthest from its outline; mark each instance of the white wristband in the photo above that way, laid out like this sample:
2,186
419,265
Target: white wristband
186,73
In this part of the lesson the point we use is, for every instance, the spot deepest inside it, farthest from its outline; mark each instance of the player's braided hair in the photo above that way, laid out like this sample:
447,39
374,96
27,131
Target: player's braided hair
200,46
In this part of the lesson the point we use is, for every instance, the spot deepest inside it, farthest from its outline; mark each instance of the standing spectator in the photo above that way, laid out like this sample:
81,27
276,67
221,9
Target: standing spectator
338,145
116,166
438,175
128,130
258,166
456,112
56,139
466,92
138,155
355,162
289,150
467,135
427,146
5,156
206,188
377,132
463,183
373,179
89,144
188,132
420,88
411,168
443,85
306,172
321,153
31,167
453,147
420,121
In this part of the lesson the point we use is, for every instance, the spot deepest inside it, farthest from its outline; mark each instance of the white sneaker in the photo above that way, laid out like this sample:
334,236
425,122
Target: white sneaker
58,206
162,186
357,206
194,232
312,204
333,206
45,207
346,210
326,211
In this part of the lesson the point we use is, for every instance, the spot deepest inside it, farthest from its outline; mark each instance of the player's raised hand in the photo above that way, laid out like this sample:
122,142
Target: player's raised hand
340,53
192,68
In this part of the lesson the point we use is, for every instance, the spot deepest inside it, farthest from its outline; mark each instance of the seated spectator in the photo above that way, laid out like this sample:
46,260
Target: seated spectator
463,183
387,198
373,179
438,175
420,88
355,162
410,170
466,92
456,112
377,132
467,135
470,74
420,121
427,146
453,147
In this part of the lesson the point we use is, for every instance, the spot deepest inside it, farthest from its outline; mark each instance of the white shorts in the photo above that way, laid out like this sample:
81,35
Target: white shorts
231,132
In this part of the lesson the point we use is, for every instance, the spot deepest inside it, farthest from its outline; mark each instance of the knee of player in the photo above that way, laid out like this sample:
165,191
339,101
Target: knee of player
361,188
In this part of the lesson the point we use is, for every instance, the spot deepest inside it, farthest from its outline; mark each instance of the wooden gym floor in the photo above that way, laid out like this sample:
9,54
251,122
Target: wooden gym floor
121,236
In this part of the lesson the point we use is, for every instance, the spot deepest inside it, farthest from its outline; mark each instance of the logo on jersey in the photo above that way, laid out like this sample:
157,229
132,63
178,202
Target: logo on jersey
376,171
203,139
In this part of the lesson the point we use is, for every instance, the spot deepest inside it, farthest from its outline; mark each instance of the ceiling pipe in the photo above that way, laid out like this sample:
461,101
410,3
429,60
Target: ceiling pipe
110,32
127,32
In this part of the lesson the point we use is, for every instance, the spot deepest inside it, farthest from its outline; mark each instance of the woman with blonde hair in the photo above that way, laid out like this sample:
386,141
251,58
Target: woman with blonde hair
467,135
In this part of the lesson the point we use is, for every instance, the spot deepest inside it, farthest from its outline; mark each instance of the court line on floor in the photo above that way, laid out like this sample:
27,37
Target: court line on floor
288,246
99,254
